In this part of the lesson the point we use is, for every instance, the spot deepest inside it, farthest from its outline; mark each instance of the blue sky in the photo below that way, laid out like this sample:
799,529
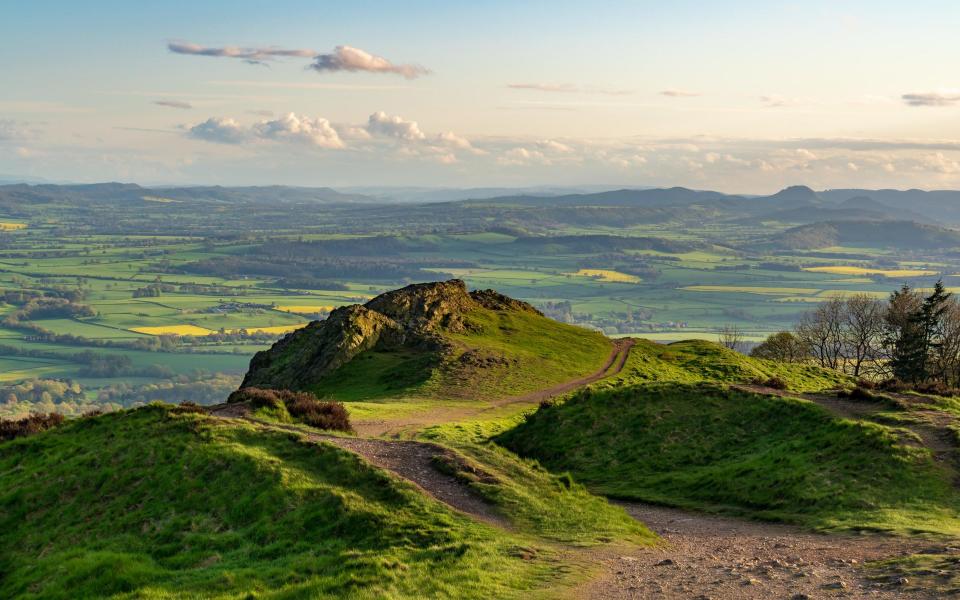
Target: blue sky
739,95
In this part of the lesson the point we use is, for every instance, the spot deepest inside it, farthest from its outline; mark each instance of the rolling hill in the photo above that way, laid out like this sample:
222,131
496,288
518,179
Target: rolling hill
433,340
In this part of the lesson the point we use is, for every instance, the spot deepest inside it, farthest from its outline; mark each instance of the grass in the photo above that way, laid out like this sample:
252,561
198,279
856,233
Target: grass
150,503
693,361
707,447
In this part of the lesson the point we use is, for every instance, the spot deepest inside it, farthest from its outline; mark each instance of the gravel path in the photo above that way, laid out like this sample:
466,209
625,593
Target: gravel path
724,558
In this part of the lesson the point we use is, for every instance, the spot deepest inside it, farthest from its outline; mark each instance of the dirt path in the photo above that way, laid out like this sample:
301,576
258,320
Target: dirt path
413,461
398,427
723,558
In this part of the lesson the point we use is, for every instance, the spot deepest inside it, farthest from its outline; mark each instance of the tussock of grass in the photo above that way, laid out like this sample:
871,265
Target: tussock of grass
707,447
150,503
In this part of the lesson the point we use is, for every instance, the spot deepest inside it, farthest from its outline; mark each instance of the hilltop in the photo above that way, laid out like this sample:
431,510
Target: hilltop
429,340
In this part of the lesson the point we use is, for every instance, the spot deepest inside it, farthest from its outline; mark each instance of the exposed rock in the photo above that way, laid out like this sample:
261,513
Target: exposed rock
413,318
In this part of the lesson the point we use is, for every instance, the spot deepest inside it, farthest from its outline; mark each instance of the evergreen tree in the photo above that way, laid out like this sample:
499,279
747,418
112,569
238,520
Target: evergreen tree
920,335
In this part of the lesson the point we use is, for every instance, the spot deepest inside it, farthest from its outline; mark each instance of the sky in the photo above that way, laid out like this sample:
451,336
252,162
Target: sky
733,95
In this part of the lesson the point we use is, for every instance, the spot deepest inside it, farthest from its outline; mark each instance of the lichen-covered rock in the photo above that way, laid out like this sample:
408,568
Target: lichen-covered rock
413,317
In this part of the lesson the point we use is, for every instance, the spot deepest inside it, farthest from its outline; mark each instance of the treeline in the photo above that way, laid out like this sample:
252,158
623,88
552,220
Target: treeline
66,397
285,268
910,338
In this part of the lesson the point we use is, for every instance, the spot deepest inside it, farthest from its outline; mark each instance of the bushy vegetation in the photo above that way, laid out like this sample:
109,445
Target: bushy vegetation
302,407
35,423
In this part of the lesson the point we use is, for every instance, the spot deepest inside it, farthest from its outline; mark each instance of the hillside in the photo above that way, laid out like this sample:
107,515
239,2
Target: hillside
677,427
162,502
893,234
429,340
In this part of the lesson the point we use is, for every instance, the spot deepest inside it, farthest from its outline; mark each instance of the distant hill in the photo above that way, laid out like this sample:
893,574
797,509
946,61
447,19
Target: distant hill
885,234
133,193
431,339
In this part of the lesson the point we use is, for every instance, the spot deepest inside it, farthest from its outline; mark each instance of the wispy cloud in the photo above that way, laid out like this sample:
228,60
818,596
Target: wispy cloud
675,93
568,88
257,56
174,104
348,58
931,99
12,130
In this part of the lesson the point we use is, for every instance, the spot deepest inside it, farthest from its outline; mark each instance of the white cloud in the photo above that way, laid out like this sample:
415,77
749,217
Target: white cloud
382,124
219,130
290,127
315,131
554,146
348,58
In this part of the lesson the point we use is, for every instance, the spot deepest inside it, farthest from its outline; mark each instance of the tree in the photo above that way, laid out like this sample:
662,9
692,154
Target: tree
821,333
920,336
899,332
781,347
862,332
731,336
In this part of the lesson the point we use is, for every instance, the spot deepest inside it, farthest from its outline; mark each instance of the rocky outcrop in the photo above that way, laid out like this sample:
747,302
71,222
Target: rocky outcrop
414,317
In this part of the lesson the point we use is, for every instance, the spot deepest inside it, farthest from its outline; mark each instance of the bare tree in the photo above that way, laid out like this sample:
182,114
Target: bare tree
821,331
862,328
731,336
946,354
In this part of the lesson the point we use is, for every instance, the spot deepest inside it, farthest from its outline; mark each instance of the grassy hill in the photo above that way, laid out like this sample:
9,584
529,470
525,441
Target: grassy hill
670,430
430,340
160,502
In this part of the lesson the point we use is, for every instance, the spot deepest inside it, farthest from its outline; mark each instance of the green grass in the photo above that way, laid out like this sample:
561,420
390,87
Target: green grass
692,361
538,501
150,503
707,447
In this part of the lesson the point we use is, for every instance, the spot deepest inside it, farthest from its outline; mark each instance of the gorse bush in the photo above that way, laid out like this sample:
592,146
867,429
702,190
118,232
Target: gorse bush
11,429
301,406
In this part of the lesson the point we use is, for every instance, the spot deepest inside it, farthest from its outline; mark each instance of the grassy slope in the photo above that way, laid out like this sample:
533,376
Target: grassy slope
701,445
539,352
150,503
693,361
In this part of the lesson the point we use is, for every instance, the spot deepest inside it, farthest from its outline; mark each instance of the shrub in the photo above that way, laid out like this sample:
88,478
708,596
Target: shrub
866,384
302,406
189,407
319,414
257,397
12,429
776,383
862,394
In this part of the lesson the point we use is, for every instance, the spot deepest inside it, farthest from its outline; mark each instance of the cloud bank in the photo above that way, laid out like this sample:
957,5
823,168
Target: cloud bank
174,104
249,55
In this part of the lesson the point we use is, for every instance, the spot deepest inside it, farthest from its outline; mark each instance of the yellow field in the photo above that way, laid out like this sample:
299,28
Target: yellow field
305,310
7,226
605,275
850,270
744,289
198,331
173,330
275,329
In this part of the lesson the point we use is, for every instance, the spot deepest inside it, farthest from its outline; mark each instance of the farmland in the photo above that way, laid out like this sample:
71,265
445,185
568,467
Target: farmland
186,289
